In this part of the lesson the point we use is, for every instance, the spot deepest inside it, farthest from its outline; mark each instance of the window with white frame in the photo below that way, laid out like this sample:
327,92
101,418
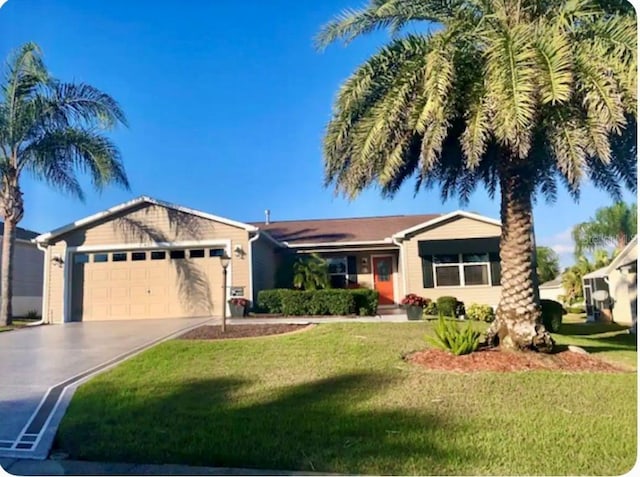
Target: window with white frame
463,269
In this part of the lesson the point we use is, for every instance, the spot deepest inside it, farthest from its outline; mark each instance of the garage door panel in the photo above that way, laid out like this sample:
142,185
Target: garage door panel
146,288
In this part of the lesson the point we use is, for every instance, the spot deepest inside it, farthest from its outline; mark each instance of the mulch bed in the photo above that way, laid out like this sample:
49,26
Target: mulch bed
504,361
209,332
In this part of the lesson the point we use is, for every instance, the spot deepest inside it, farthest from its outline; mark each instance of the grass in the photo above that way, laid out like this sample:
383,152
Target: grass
339,398
18,323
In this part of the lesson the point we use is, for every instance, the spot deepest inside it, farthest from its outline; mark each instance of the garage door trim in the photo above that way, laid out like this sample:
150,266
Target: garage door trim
68,261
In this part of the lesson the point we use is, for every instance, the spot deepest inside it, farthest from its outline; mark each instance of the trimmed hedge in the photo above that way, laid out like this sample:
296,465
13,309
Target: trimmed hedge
319,302
576,309
366,301
270,301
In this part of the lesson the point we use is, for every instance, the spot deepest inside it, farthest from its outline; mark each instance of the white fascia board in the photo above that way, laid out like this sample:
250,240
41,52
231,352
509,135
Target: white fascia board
443,218
132,203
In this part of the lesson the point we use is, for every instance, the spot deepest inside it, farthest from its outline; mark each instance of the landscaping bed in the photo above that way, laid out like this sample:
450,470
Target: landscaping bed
505,361
214,332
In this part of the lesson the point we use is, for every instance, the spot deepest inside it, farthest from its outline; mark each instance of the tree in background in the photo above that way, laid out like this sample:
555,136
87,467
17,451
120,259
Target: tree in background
514,95
572,276
49,130
548,264
311,273
615,225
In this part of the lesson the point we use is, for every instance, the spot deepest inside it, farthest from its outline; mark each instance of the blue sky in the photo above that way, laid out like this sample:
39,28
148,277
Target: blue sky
227,104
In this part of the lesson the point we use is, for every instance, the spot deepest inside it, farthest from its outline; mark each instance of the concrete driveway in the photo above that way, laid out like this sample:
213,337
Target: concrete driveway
41,367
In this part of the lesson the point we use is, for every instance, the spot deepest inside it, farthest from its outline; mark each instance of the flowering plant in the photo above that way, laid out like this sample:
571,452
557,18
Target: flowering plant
239,302
414,300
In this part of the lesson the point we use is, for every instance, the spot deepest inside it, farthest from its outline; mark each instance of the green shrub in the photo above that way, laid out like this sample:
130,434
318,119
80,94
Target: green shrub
270,301
552,312
366,301
479,312
447,305
451,338
32,315
430,309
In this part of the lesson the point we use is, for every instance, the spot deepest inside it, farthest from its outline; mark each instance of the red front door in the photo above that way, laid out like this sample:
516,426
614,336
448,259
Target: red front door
383,279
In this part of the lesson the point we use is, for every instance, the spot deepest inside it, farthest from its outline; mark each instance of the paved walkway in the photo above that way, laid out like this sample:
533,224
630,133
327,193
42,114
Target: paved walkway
76,467
334,319
41,367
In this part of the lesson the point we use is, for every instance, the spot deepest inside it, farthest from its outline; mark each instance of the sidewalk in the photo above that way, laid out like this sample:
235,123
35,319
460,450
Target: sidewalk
77,467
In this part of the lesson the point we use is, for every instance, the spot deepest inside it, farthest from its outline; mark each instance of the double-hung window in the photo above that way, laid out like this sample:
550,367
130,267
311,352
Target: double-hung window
462,269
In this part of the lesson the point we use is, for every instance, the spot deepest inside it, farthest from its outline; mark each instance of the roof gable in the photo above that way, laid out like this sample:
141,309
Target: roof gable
443,219
87,221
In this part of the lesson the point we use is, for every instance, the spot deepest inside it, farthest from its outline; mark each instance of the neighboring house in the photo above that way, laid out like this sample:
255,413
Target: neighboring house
552,289
28,266
151,259
619,280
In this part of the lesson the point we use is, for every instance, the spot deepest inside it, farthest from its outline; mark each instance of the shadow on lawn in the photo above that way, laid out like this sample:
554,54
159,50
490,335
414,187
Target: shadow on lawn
323,426
582,329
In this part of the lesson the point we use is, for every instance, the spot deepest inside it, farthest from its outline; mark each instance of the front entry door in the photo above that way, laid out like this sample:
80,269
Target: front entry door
383,279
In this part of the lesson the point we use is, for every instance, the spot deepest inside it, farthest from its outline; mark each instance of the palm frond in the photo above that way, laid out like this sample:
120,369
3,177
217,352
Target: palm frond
392,14
59,153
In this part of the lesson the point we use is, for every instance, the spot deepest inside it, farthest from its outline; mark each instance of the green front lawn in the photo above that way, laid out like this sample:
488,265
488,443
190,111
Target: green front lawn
339,398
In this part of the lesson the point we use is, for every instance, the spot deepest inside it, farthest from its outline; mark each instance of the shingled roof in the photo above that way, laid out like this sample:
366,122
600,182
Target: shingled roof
358,229
22,234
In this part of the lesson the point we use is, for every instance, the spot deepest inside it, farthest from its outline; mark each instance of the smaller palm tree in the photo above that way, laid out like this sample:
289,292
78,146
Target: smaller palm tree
311,273
51,131
615,225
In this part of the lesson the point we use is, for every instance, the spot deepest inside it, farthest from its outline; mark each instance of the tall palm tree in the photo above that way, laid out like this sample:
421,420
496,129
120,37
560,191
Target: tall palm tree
49,130
616,224
511,94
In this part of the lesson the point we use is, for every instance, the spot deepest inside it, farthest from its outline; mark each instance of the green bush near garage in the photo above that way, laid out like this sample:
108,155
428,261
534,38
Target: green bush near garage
363,302
270,301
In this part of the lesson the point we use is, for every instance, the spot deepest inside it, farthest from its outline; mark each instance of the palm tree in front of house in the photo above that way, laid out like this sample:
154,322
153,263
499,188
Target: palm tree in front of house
49,130
616,225
514,94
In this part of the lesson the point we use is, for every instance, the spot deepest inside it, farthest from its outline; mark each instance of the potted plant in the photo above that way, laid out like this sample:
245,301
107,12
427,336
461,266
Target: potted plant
414,305
238,307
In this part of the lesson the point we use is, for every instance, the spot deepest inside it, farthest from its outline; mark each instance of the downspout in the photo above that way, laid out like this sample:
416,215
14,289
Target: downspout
251,241
45,284
397,242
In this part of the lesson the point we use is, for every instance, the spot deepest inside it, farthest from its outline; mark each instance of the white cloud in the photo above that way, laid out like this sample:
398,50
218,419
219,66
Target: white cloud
562,244
2,2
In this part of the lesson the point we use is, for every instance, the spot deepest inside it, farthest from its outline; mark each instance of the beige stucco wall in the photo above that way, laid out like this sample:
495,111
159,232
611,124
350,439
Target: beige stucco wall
623,289
145,224
456,228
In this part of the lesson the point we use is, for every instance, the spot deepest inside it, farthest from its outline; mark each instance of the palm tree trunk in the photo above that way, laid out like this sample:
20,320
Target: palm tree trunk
518,322
12,209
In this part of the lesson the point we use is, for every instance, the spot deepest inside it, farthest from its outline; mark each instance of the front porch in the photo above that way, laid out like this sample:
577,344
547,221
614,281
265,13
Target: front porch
374,268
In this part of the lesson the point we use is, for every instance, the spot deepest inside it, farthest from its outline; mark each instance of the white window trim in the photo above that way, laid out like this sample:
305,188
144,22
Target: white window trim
67,283
461,266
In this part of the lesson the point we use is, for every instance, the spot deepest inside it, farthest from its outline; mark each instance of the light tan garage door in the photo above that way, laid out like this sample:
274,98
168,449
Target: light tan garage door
146,284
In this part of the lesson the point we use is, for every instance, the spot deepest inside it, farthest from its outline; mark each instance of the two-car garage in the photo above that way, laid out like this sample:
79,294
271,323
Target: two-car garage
144,259
153,283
